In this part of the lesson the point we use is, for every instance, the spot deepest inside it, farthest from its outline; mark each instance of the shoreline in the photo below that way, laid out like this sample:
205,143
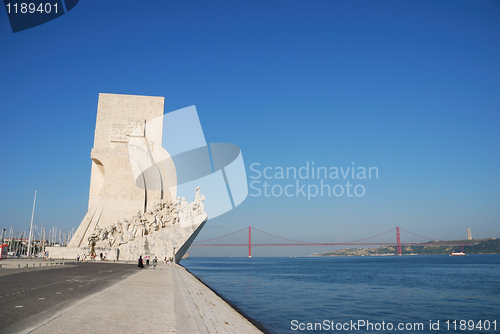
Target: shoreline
233,306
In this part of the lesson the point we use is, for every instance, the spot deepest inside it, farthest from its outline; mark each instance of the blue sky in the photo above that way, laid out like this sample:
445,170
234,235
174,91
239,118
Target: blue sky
409,87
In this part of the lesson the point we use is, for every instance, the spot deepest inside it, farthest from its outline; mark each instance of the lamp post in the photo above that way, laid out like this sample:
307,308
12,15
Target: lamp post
173,257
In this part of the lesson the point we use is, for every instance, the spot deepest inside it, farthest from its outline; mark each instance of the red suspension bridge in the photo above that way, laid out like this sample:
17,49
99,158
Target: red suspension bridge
285,242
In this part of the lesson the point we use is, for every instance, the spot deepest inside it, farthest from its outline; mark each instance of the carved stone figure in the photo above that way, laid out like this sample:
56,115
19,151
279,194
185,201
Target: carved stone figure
162,215
152,223
184,210
110,234
125,235
197,207
167,220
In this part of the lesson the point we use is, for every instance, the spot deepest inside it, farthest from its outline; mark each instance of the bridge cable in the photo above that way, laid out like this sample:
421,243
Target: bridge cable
418,235
243,229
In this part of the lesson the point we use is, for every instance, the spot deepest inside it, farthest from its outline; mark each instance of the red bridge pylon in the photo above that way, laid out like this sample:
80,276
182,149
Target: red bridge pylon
249,241
398,240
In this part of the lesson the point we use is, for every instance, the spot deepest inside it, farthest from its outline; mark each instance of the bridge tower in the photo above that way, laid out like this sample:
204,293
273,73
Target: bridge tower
249,241
398,240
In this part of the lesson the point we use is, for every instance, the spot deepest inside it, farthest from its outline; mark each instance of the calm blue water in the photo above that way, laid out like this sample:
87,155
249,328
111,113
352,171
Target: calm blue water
416,289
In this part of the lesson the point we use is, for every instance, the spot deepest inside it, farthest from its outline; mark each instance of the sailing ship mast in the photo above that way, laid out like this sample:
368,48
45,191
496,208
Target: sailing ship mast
31,227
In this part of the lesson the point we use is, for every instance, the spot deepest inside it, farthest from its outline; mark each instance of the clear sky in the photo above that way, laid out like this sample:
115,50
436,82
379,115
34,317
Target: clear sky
409,87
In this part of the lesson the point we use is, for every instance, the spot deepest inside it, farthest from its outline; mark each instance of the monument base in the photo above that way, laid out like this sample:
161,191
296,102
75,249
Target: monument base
71,253
170,242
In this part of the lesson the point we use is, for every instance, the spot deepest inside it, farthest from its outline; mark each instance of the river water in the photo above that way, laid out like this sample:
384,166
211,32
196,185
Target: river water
408,294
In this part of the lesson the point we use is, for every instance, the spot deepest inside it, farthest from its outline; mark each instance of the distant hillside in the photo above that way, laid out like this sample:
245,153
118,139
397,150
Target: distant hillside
480,246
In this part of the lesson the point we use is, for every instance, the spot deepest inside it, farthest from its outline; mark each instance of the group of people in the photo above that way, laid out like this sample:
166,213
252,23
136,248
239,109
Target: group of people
140,262
104,257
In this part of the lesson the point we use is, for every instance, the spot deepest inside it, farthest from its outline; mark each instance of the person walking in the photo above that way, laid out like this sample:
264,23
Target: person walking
140,263
155,262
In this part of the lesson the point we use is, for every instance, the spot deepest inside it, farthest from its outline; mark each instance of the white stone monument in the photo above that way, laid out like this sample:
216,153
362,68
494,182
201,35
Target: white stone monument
133,206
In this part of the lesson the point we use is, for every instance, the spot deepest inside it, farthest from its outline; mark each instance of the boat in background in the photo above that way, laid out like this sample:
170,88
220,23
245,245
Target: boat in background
457,254
461,253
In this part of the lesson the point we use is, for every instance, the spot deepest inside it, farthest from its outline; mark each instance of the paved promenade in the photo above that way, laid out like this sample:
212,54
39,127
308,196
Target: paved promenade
166,300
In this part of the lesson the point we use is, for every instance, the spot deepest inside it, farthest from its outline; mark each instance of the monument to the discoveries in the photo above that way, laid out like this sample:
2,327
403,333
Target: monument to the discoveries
133,205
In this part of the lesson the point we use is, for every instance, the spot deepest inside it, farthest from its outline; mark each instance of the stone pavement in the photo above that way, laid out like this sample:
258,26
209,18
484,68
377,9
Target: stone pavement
166,300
